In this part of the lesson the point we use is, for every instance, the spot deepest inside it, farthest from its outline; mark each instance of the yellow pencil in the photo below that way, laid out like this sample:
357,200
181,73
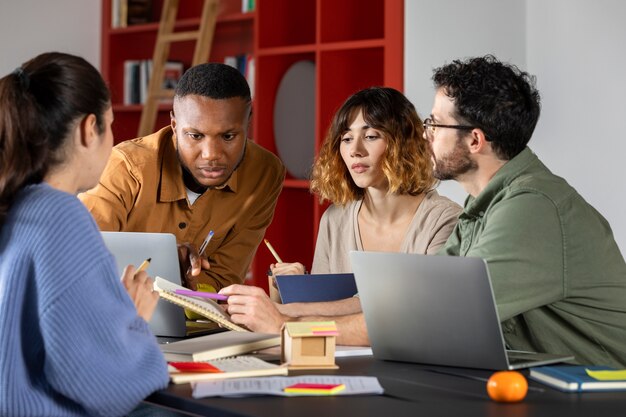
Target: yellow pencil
269,246
143,265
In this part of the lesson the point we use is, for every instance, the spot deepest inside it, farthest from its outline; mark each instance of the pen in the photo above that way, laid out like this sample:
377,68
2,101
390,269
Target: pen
202,247
143,265
205,243
202,294
271,248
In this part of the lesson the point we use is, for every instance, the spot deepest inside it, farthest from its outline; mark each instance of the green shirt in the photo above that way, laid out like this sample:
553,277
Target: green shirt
558,276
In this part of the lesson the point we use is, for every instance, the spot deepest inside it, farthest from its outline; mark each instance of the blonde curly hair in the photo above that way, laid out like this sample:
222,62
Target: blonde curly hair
406,162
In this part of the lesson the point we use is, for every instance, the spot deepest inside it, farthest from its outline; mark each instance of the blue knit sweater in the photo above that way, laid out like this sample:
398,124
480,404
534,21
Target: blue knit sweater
71,342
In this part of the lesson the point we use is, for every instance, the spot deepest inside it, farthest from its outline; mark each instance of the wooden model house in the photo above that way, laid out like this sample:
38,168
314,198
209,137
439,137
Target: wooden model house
309,345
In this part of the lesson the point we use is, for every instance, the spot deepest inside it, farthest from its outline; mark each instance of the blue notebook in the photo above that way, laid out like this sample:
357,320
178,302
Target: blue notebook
315,287
575,379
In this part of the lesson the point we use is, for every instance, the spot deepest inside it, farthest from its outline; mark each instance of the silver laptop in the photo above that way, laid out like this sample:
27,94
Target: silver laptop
133,248
436,310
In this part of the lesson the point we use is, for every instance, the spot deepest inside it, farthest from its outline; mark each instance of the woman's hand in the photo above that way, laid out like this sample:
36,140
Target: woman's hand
251,307
140,289
284,268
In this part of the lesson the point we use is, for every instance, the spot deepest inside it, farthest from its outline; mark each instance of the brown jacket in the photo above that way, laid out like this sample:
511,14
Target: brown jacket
142,190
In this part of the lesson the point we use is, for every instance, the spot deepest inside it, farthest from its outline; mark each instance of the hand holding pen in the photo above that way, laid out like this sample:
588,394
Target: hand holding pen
283,268
139,286
194,259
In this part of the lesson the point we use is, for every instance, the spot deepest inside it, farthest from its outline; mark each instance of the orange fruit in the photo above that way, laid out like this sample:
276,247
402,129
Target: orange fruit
507,386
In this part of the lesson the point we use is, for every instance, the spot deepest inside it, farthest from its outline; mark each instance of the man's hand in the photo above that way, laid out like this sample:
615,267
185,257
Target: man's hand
191,264
251,307
141,291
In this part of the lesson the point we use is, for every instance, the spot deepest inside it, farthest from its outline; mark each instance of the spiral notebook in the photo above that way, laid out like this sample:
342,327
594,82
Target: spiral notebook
203,306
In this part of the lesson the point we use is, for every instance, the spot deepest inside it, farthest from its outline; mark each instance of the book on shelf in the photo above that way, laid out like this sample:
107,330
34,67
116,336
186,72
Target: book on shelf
575,378
238,61
145,71
218,345
245,64
130,12
250,70
233,367
116,13
131,81
247,5
138,12
172,73
202,306
137,75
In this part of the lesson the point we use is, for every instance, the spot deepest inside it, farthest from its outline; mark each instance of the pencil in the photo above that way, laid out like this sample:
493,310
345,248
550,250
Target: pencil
143,265
205,243
271,248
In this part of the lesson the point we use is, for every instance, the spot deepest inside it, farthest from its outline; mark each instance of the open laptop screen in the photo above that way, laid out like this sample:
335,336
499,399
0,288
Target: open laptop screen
437,310
133,248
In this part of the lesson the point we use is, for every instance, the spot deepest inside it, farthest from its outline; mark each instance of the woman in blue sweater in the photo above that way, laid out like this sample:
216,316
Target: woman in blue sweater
74,339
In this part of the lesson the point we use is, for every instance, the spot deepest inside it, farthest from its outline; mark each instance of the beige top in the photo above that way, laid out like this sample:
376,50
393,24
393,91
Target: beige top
339,233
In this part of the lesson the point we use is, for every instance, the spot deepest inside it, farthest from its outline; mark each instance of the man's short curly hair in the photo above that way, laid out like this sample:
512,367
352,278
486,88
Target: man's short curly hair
406,161
496,97
213,80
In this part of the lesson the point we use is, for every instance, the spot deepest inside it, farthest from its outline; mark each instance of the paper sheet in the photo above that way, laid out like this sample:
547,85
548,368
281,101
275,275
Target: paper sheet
341,351
242,387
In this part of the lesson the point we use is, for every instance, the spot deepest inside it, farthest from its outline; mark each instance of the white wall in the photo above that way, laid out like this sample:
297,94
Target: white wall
576,50
574,47
30,27
439,31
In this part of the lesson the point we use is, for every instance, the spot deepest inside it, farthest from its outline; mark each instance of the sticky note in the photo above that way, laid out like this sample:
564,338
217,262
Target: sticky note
612,375
196,367
315,389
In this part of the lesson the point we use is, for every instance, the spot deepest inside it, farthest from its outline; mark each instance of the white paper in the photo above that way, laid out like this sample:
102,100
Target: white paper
274,385
341,351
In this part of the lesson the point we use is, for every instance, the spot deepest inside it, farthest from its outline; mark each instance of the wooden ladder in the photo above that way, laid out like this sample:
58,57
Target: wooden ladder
166,35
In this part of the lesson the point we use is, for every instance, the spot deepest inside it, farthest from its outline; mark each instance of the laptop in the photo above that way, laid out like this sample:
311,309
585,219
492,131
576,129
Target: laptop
436,310
133,248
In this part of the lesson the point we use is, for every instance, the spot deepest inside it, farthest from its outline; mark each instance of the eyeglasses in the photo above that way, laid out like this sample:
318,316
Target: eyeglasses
429,127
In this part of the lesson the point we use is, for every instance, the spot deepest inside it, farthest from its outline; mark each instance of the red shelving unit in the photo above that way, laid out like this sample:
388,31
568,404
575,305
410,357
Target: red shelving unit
353,43
234,34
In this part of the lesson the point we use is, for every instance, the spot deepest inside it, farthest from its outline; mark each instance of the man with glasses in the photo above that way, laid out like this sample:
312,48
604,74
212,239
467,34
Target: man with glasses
558,276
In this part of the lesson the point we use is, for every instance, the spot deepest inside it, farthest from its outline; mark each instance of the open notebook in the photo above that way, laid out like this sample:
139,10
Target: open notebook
203,306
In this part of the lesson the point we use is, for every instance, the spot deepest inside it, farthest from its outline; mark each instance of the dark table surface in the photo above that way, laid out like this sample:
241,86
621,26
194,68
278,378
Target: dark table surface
410,390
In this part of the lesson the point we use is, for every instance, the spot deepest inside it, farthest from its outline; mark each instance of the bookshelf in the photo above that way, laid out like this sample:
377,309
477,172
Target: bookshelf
233,36
353,43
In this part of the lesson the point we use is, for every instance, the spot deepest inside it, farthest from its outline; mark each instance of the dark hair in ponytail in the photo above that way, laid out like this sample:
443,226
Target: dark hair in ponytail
40,102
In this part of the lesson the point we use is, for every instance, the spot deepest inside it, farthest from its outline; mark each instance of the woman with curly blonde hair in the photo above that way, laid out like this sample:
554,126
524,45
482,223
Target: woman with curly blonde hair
376,169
